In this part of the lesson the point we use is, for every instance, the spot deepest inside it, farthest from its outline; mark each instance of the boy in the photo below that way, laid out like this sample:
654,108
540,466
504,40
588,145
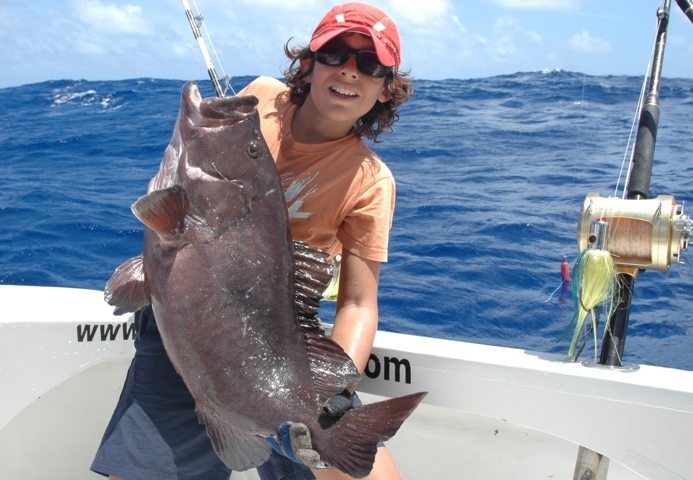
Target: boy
340,195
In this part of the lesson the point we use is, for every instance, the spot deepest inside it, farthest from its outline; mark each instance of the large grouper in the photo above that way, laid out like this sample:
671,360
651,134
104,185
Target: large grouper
236,299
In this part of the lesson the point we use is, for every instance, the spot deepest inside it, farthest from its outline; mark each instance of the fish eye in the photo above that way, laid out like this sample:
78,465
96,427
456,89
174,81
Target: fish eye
252,149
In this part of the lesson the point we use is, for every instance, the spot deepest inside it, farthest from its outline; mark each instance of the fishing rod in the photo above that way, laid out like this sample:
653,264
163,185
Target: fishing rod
638,189
643,234
628,235
195,23
687,8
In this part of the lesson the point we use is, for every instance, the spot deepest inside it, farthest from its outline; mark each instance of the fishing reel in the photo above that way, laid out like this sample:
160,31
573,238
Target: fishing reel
644,234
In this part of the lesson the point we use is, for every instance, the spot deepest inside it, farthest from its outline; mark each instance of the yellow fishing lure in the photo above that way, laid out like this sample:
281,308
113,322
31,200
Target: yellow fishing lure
594,284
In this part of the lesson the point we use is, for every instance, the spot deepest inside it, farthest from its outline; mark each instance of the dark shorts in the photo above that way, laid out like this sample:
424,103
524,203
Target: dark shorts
154,433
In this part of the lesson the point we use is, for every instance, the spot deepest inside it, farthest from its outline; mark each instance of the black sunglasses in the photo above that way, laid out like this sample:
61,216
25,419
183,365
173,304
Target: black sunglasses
335,54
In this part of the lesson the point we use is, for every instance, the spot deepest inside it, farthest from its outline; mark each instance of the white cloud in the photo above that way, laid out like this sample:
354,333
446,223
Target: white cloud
426,15
305,6
539,4
272,9
584,43
509,37
508,25
503,46
112,19
434,40
89,48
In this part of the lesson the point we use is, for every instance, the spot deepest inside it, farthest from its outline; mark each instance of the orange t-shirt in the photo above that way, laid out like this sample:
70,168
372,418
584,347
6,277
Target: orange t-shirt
338,193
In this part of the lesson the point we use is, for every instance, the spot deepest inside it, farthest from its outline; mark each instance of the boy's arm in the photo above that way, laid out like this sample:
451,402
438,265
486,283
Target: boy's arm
356,318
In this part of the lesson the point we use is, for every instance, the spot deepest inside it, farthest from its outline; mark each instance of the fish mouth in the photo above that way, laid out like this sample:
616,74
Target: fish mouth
234,108
216,111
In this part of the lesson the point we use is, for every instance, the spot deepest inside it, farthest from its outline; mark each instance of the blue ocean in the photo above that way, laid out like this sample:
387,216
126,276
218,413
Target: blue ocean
491,176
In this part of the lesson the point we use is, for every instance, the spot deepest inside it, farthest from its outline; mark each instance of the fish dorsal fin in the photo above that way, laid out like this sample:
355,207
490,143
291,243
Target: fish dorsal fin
127,289
332,368
163,211
237,448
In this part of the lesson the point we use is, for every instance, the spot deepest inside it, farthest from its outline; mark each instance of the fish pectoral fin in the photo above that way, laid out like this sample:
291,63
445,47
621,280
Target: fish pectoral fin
238,449
164,211
127,289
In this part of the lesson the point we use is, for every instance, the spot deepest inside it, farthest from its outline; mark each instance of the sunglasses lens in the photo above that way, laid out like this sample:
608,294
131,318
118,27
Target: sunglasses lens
335,54
368,63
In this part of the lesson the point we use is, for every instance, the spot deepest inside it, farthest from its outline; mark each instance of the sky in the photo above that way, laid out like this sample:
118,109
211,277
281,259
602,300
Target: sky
122,39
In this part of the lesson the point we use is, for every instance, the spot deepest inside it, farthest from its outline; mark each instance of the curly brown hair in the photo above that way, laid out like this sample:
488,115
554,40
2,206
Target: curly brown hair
378,119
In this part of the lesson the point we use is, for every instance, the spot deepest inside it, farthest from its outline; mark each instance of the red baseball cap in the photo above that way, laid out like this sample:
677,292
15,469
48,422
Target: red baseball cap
358,17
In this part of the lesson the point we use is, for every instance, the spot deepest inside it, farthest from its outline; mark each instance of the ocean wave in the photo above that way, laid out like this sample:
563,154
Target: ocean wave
491,175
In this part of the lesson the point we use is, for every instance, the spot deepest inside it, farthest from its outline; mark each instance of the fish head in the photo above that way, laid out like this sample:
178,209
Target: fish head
223,162
224,133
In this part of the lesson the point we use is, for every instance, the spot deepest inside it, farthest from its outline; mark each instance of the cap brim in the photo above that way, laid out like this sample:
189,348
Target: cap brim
384,55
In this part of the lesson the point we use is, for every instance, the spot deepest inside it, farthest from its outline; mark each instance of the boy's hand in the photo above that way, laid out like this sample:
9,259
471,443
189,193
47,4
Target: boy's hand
294,442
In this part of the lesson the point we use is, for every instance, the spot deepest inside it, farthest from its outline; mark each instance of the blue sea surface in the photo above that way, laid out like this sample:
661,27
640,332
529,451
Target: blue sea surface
491,175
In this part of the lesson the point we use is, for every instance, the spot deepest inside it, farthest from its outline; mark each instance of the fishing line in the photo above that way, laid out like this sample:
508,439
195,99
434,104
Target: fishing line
553,293
211,44
630,145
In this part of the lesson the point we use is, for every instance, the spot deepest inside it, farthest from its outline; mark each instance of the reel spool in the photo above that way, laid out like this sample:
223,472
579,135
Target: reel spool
644,234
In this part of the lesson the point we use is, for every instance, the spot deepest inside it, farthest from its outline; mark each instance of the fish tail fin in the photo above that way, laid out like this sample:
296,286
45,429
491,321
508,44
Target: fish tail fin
353,440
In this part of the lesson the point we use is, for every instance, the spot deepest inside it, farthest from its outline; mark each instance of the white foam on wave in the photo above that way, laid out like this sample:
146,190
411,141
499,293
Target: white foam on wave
86,98
66,97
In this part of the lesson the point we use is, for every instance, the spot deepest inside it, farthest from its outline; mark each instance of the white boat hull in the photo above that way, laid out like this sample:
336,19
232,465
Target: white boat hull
491,412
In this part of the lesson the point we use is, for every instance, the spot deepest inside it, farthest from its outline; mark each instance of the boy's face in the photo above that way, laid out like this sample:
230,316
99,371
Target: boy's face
343,94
